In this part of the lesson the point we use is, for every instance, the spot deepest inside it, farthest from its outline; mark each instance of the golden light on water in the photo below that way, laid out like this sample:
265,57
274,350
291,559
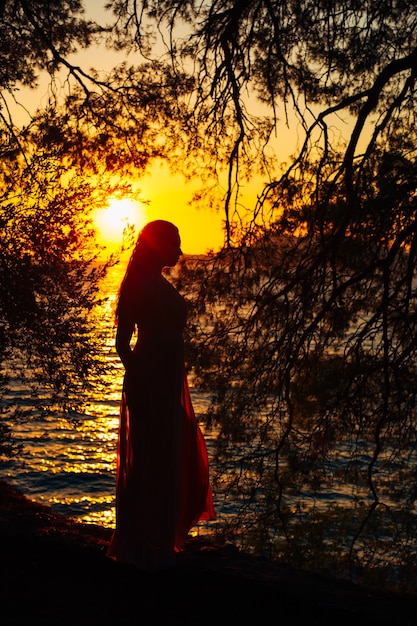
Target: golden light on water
71,465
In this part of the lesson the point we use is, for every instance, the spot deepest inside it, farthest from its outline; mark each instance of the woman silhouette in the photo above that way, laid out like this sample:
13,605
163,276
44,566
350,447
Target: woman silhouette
162,487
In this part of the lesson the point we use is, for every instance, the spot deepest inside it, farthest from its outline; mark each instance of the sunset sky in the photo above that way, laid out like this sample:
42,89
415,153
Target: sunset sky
165,196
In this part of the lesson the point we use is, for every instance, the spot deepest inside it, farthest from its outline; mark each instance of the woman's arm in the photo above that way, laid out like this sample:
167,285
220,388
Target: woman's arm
125,328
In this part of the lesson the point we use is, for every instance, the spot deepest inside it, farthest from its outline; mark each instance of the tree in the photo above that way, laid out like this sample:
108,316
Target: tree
68,159
307,318
50,182
42,302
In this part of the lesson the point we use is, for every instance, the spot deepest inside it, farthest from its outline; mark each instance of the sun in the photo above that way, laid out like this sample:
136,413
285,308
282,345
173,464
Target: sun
116,218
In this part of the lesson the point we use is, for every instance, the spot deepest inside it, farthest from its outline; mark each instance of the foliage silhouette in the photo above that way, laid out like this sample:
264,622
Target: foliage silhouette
304,325
307,318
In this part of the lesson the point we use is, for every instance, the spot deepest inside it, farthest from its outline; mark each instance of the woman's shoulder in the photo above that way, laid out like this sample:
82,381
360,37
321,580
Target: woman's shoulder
137,295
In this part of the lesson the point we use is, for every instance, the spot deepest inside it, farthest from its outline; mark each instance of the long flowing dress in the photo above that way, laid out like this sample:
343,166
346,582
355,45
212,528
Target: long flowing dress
162,486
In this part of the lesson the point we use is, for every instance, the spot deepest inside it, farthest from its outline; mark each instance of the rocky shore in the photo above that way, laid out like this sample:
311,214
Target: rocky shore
55,572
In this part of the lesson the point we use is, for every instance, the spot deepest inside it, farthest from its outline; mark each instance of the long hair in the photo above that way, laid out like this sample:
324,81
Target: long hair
150,244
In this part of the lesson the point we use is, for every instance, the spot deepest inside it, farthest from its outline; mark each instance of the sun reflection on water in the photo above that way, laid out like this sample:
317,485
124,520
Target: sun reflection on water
71,465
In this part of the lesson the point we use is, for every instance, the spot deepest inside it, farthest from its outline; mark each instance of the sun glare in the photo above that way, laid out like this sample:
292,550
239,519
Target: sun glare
119,215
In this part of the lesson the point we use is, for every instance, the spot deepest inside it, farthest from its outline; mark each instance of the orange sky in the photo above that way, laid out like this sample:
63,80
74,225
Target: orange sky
201,229
167,196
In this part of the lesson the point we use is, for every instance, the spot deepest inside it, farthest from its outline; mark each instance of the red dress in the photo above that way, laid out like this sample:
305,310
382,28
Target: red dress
162,487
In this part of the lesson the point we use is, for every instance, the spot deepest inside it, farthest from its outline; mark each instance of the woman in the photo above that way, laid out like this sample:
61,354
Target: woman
162,486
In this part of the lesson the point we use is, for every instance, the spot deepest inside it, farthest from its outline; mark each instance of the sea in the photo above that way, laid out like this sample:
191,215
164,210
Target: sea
70,464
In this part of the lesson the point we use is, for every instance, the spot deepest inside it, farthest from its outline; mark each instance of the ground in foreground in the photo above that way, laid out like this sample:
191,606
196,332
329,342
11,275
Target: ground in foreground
55,572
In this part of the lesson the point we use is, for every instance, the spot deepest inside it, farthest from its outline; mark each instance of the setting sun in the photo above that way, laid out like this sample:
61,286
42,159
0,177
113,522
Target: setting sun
119,215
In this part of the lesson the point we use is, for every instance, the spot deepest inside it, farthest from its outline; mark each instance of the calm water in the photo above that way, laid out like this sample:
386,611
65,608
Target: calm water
71,466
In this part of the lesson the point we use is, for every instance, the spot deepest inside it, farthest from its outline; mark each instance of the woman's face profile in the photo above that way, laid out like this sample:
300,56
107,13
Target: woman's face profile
162,239
171,250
